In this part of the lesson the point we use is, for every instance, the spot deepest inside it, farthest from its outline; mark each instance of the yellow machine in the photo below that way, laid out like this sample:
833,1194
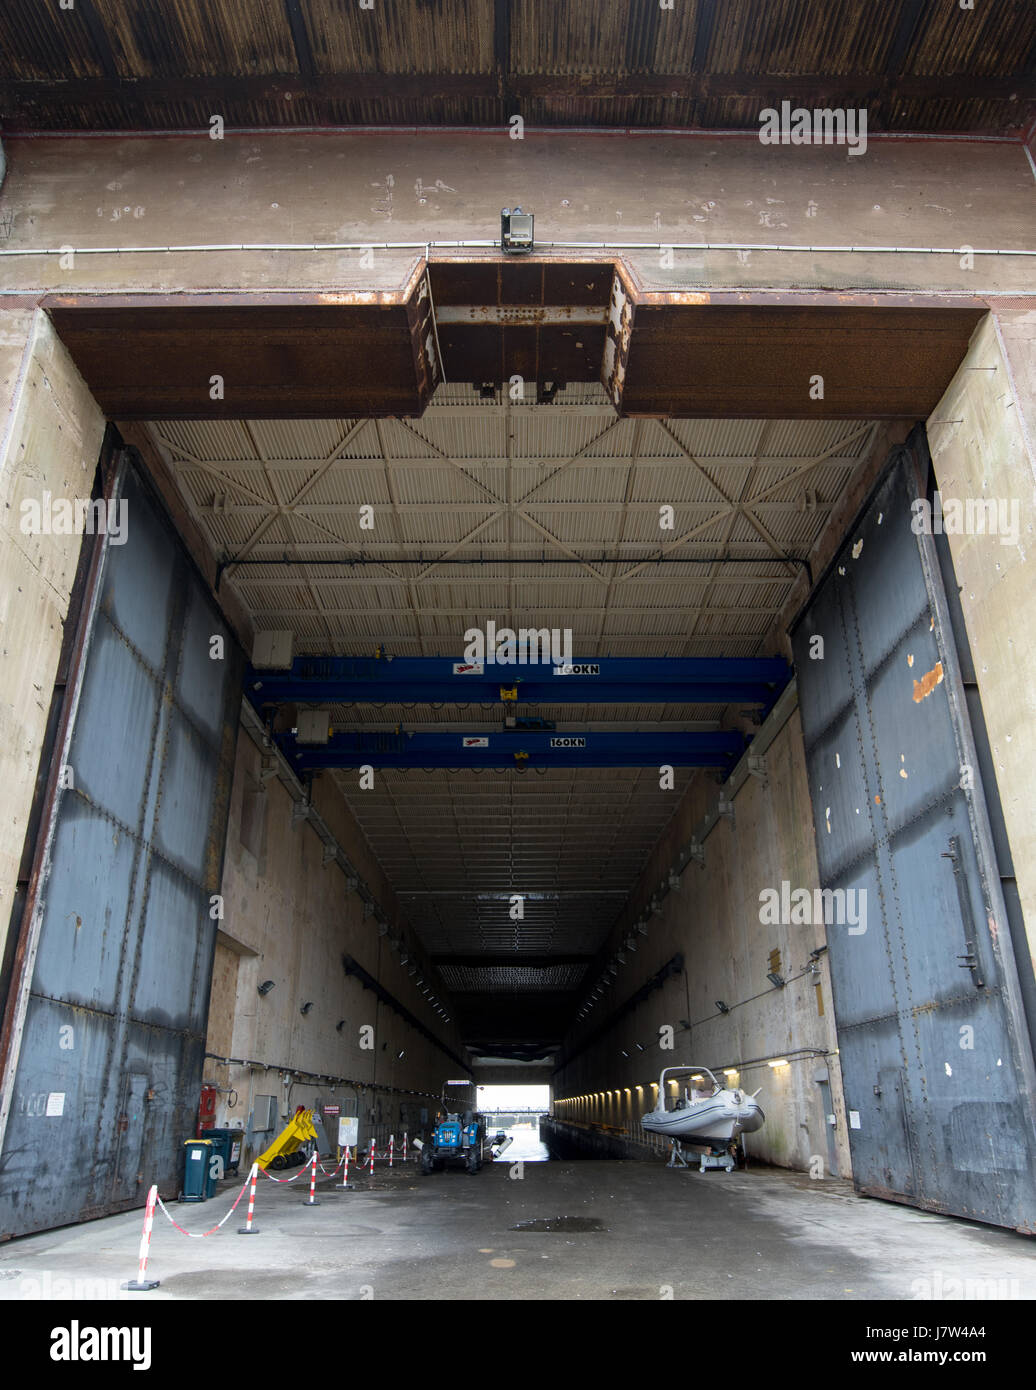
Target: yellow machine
282,1152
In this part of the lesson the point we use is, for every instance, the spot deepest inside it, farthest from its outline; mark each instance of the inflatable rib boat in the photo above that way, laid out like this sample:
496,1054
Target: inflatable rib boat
715,1119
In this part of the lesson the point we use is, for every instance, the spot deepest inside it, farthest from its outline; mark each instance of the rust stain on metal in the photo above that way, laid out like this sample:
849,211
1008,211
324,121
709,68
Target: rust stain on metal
618,335
928,682
349,297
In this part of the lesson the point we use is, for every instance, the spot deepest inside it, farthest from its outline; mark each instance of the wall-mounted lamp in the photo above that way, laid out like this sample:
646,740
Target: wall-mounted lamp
625,1053
339,1025
400,1055
778,1062
306,1007
265,987
640,1047
723,1008
776,980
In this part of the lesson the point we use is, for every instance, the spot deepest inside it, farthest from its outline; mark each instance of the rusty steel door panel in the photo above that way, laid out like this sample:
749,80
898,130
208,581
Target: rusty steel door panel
103,1087
935,1052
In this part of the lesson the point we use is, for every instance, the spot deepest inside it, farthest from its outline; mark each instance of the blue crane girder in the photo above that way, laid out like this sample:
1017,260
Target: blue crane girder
516,748
443,680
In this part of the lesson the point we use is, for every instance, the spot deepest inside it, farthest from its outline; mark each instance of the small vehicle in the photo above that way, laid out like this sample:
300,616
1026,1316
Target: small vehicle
458,1136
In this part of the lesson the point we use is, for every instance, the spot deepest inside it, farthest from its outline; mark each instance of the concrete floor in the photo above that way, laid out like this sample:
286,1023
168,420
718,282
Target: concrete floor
761,1234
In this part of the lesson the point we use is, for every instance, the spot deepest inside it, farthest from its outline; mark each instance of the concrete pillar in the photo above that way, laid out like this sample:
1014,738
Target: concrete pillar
981,437
51,431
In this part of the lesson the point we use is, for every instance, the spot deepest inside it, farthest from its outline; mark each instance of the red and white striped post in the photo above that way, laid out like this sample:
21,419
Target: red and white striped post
345,1169
142,1282
312,1201
405,1138
392,1148
248,1229
373,1147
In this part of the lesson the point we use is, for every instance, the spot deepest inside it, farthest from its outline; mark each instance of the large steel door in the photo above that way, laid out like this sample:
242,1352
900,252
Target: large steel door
102,1085
935,1053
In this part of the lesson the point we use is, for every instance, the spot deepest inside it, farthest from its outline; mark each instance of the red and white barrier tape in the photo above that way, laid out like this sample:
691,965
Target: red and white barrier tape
298,1175
200,1235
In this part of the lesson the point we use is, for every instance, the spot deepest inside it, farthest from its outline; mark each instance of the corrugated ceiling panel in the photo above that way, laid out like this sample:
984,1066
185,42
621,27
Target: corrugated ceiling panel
718,438
448,36
213,440
314,440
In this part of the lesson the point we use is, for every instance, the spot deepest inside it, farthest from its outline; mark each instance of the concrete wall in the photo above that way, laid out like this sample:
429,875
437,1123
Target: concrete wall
414,186
713,921
50,438
981,439
288,918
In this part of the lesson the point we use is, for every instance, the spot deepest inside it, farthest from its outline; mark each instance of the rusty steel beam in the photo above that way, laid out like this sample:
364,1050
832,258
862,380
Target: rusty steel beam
18,97
351,354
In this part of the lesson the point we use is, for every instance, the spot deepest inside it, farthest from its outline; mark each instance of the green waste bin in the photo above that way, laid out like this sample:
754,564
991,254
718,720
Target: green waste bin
198,1181
219,1159
229,1143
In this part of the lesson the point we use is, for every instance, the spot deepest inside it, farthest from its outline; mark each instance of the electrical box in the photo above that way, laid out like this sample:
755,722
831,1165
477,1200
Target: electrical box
273,650
264,1115
516,230
313,725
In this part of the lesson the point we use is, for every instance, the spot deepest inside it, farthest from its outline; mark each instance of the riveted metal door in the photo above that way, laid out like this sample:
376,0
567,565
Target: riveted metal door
103,1086
935,1052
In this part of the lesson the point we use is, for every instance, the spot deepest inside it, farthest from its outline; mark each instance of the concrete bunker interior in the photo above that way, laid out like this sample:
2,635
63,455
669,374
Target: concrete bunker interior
277,840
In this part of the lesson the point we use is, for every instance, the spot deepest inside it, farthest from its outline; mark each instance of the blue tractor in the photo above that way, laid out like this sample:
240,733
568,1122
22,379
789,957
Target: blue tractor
458,1136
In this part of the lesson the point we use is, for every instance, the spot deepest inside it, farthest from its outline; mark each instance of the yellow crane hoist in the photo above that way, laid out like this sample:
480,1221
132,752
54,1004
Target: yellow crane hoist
291,1138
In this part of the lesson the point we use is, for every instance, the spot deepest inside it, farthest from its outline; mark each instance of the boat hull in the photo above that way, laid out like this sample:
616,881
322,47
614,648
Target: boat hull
718,1120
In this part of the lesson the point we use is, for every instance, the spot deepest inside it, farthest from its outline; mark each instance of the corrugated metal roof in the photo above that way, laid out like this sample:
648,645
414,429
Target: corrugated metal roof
476,62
